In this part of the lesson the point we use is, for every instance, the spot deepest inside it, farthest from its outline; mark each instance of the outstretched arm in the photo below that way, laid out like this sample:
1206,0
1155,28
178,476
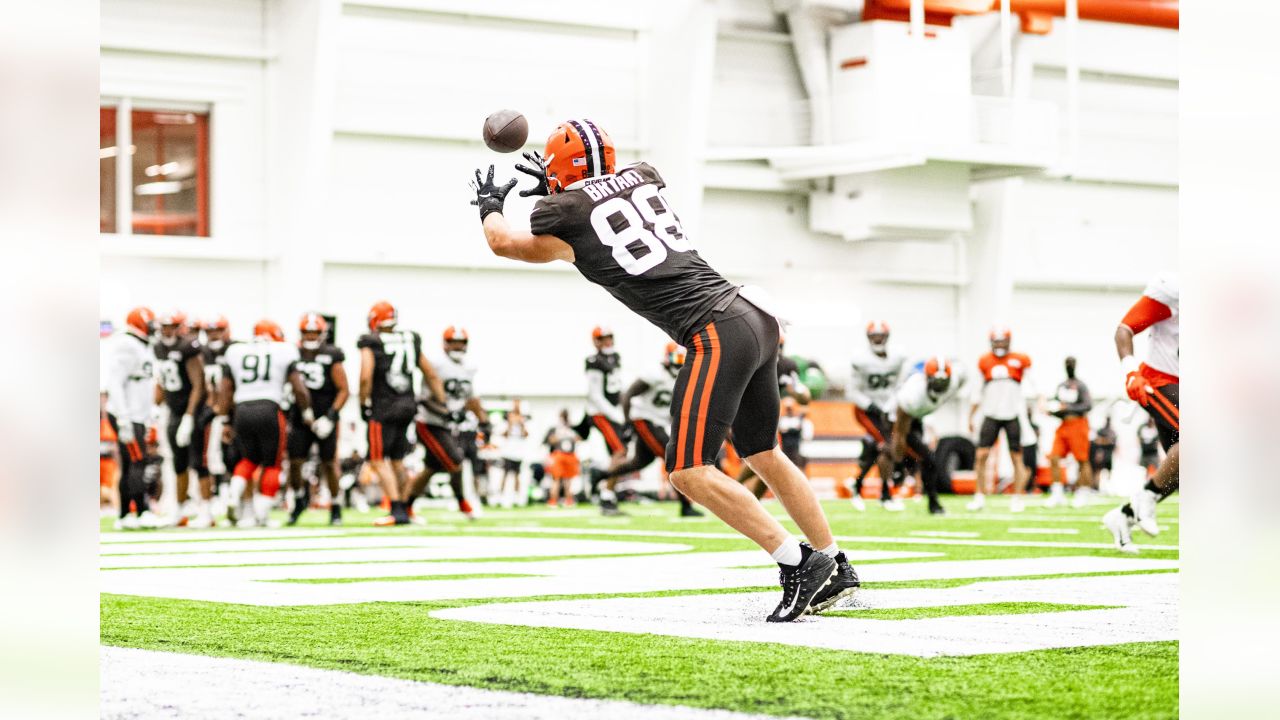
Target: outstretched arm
523,245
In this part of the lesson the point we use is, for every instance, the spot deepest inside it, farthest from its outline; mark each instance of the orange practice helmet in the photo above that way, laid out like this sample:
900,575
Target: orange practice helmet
937,374
673,356
217,322
601,331
456,333
268,329
139,321
576,150
877,327
382,314
313,322
1000,332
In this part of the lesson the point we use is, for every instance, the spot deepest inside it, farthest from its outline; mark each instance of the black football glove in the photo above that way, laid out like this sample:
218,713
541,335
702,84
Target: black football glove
538,172
366,412
434,406
490,197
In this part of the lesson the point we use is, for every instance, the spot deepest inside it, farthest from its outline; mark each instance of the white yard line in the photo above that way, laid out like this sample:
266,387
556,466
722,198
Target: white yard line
943,534
1044,531
150,684
841,538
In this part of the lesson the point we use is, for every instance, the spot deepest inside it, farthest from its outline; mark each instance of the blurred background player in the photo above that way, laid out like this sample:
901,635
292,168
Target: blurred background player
1149,446
923,392
646,409
128,382
604,393
220,454
441,428
1101,451
513,447
876,370
180,388
1071,403
789,386
1000,401
1153,385
794,429
254,375
388,358
320,365
562,465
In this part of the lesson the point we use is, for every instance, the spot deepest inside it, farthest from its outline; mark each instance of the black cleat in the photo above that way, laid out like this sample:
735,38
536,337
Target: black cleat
335,515
843,584
935,508
690,511
609,508
801,583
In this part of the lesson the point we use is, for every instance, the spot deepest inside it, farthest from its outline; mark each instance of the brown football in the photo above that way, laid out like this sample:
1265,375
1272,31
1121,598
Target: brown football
505,131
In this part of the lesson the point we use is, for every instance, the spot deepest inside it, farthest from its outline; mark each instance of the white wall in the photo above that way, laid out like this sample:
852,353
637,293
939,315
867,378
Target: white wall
410,81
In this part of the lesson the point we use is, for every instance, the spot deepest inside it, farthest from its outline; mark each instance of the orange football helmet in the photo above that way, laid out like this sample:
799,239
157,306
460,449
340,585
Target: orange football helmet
937,374
600,331
878,327
217,322
1000,332
456,333
673,356
382,314
268,329
313,322
576,150
139,321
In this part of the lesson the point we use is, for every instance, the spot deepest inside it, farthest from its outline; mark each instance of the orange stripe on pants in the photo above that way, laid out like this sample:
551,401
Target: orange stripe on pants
434,446
688,403
610,437
375,440
713,344
865,421
642,429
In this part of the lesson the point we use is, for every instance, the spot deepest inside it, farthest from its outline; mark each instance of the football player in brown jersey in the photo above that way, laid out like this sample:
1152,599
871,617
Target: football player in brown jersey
616,228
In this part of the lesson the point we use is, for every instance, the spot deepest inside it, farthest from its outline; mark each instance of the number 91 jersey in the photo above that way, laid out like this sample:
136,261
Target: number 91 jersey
259,369
626,239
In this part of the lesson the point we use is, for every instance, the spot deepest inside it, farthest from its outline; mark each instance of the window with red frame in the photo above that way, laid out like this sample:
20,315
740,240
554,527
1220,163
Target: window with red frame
168,171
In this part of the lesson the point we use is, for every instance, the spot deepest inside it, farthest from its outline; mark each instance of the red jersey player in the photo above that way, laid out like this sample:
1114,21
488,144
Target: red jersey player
1153,385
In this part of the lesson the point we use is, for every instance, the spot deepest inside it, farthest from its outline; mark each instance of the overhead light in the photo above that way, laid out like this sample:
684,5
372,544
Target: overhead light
166,169
163,187
110,152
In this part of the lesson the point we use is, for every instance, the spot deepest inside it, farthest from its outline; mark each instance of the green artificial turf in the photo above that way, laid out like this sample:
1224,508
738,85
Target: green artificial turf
401,639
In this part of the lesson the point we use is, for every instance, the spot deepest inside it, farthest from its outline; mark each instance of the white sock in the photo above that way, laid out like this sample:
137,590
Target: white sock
607,495
788,553
830,551
261,506
236,486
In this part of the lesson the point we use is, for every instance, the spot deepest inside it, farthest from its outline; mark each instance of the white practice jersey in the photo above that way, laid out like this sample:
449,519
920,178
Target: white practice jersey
654,405
914,398
458,379
260,369
126,376
1162,354
874,378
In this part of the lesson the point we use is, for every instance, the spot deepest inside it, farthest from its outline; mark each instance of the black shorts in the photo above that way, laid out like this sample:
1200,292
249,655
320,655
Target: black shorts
612,432
651,441
388,439
260,433
875,422
201,441
991,430
729,379
443,454
301,438
181,456
510,465
1163,407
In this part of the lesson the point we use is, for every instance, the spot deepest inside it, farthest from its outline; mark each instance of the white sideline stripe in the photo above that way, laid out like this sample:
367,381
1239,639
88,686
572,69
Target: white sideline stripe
110,538
943,534
1044,531
151,684
1147,612
430,547
840,538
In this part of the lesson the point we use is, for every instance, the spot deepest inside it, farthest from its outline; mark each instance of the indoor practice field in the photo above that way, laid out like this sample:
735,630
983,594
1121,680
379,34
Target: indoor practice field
969,615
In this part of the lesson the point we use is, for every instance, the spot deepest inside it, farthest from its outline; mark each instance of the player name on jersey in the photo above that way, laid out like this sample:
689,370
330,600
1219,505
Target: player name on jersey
612,185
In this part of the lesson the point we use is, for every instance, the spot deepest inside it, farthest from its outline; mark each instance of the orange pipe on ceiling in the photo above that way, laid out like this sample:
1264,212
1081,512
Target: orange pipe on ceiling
1036,15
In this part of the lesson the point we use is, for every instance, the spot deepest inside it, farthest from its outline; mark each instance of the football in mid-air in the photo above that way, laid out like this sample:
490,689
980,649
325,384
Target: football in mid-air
505,131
